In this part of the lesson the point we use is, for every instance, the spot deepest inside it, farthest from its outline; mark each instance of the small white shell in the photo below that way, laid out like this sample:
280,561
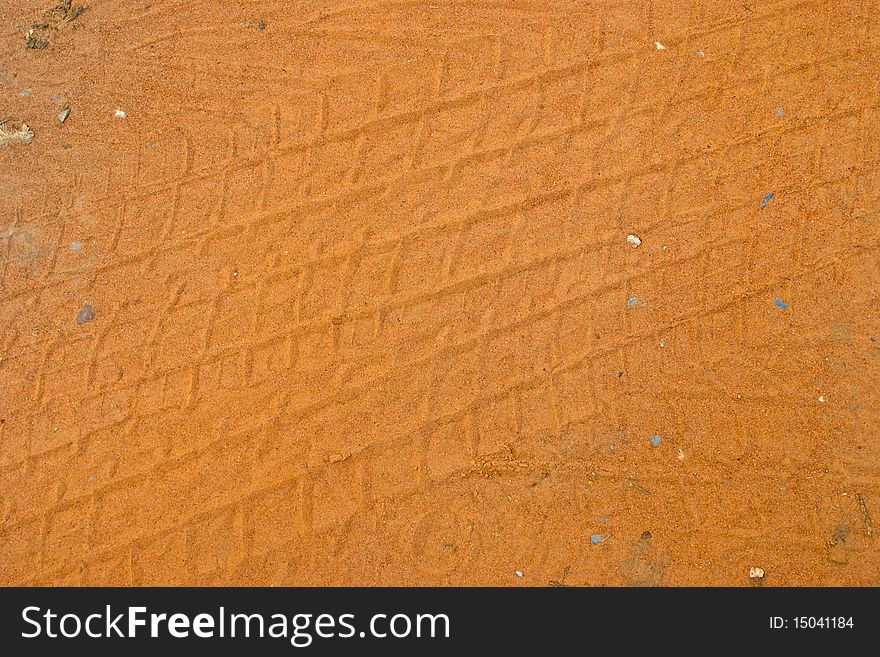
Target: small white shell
633,241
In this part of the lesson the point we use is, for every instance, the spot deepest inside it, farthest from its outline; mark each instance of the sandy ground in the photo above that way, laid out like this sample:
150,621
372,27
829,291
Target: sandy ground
341,292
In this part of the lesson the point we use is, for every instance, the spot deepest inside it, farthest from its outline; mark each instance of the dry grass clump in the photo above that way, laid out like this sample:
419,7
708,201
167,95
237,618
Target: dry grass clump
11,135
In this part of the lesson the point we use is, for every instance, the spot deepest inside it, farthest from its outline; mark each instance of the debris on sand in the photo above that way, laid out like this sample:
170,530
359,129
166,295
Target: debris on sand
866,518
780,303
633,241
655,441
756,573
659,46
63,114
75,12
767,199
32,42
839,552
596,539
38,35
64,12
12,134
119,113
87,314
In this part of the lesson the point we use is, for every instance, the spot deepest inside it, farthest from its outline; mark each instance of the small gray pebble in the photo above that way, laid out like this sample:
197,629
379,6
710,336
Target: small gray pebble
87,314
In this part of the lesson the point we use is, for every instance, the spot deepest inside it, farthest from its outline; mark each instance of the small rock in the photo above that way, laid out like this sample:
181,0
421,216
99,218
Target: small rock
633,241
700,53
659,45
119,114
87,314
63,114
822,399
519,573
780,112
655,441
336,458
595,539
756,573
679,454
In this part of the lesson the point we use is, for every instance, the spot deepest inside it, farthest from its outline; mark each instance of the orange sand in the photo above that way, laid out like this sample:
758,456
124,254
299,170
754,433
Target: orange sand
364,309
